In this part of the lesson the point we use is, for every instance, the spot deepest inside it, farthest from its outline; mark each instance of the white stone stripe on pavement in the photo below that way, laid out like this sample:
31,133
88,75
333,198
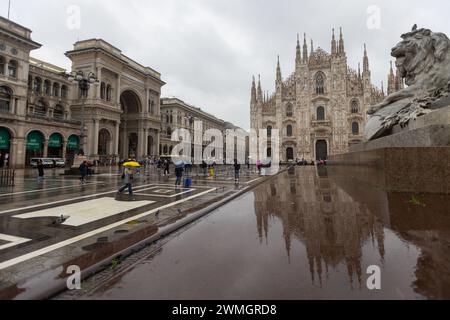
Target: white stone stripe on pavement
70,199
13,241
43,190
82,213
40,252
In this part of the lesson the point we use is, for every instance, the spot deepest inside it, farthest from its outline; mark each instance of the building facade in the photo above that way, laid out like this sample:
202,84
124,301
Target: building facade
41,111
320,109
177,114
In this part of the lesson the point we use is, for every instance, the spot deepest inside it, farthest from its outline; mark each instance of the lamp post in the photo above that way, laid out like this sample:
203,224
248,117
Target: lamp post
84,82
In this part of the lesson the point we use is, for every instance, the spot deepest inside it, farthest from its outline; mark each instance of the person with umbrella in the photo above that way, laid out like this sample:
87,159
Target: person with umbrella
179,168
128,176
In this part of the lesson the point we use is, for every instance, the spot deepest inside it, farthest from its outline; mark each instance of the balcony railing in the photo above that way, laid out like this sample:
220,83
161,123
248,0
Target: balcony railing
321,123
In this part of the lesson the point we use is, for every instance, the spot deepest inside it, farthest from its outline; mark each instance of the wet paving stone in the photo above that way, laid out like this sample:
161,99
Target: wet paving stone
303,235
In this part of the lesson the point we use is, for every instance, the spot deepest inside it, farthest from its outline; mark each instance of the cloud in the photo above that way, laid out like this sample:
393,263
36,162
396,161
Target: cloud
208,50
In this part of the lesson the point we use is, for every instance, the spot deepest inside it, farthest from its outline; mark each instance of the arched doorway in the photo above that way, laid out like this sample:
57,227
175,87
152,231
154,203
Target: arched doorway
5,147
321,150
55,146
133,145
34,146
289,154
128,139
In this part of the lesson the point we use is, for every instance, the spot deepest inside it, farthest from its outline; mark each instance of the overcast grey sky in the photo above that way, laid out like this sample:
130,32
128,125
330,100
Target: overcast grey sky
208,50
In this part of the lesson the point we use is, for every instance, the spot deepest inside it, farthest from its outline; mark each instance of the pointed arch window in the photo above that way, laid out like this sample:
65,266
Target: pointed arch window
320,114
269,131
355,107
289,111
289,131
355,128
320,83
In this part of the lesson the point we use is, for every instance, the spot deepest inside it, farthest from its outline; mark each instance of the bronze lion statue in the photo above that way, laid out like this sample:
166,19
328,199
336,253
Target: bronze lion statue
423,60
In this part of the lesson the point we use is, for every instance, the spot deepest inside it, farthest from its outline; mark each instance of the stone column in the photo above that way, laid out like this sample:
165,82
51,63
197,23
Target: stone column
141,140
158,143
99,77
45,155
96,133
118,90
145,142
116,139
64,149
125,143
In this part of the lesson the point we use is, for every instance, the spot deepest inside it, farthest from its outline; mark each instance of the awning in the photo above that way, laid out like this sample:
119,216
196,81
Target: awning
72,143
55,141
4,139
34,141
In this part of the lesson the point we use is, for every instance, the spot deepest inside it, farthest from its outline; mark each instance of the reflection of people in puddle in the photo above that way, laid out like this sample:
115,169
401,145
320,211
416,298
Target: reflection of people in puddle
128,176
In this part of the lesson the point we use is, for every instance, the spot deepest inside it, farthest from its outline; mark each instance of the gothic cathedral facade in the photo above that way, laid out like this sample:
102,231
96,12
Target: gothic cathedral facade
319,110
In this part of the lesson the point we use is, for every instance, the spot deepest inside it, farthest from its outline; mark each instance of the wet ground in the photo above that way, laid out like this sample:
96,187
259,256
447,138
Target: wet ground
302,235
97,222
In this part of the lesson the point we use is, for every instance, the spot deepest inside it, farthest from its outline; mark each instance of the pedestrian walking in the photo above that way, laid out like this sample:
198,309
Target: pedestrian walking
83,172
40,168
204,168
237,171
179,175
166,168
127,177
258,166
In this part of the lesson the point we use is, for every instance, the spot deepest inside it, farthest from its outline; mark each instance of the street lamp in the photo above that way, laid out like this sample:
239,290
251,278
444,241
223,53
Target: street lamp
84,82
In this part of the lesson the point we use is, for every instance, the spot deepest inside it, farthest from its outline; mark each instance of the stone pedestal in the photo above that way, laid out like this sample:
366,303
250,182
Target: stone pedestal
431,130
412,159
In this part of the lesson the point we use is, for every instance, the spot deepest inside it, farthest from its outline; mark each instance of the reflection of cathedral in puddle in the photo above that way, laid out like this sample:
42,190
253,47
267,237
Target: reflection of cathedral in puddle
328,221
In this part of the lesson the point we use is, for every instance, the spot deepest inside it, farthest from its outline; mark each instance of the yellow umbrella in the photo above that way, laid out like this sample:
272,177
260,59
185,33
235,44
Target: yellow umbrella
131,164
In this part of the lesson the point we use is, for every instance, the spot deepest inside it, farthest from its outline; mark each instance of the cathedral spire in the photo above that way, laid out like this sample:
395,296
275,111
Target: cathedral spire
341,51
260,95
365,61
333,45
391,81
359,70
312,47
305,50
253,101
382,87
298,54
279,78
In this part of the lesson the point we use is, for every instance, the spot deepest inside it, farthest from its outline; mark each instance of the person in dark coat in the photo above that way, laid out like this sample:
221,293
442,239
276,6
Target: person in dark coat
237,170
179,175
166,167
40,168
84,170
